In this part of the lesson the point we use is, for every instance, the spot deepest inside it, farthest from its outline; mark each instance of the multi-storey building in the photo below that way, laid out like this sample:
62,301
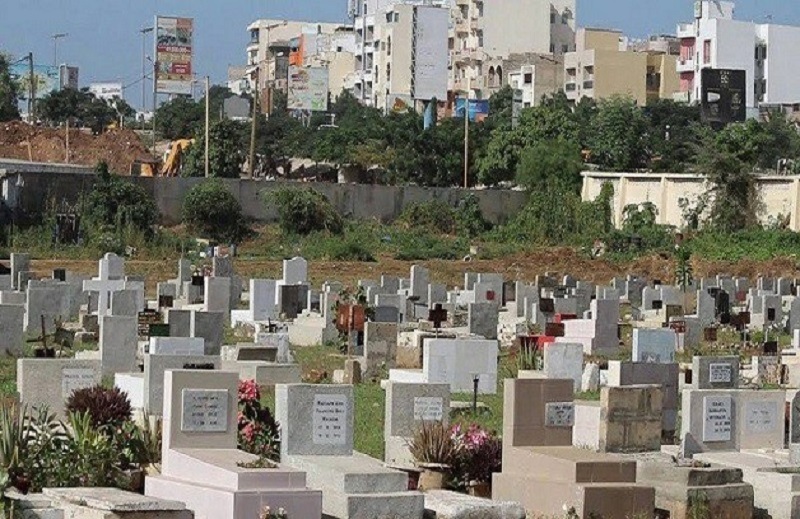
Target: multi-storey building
401,51
533,76
767,53
484,30
334,52
603,65
270,37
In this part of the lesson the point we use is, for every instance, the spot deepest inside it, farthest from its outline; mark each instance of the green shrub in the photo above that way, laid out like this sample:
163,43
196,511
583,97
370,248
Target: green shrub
115,203
303,211
212,211
435,216
469,218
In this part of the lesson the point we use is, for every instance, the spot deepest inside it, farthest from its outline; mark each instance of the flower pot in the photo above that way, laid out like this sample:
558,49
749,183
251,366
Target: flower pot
480,490
432,476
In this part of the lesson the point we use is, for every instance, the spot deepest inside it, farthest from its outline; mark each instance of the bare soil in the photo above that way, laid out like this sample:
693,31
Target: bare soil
119,148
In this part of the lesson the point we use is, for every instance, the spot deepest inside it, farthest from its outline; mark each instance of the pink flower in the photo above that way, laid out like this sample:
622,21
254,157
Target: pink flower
248,391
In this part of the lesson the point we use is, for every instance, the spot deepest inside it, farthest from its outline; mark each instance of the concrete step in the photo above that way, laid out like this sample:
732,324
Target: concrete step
394,505
569,464
356,474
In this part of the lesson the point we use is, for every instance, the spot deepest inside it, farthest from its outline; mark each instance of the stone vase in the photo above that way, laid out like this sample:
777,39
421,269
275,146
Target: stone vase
480,489
432,476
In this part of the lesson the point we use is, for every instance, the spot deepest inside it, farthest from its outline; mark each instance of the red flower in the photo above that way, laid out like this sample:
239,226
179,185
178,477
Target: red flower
248,391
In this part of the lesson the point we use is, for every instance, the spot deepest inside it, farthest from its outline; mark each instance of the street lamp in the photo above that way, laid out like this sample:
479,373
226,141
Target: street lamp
144,31
57,37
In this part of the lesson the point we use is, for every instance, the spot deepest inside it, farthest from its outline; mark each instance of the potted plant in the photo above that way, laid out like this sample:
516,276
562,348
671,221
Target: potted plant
433,451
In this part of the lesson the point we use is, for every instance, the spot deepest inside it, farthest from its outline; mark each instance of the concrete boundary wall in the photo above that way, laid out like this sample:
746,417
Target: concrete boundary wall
30,192
780,194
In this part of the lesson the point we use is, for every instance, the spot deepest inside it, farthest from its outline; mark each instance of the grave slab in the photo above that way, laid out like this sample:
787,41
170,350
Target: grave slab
51,381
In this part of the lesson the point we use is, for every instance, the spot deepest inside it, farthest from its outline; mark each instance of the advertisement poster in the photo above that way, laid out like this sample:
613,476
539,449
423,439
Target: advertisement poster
478,109
174,55
46,79
308,89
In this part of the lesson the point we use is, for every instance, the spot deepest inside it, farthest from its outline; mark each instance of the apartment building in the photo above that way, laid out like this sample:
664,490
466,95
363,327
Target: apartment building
484,30
269,40
401,51
535,77
767,53
604,65
334,52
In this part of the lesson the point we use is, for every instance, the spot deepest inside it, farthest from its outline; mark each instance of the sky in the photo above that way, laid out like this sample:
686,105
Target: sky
105,43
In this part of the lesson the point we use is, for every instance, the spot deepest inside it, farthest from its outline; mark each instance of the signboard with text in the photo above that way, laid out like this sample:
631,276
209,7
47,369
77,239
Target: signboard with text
174,49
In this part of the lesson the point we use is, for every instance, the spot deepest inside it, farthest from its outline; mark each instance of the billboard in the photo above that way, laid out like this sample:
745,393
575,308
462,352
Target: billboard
308,89
46,79
106,91
399,103
431,29
478,109
723,95
174,43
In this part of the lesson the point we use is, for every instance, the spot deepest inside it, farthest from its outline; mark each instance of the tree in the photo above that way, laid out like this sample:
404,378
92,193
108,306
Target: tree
552,119
8,92
179,118
551,163
211,210
116,203
618,137
226,145
760,145
672,128
79,107
735,200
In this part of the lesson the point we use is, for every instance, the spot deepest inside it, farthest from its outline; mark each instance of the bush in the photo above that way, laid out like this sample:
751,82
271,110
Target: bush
303,211
106,407
212,211
435,216
479,454
115,203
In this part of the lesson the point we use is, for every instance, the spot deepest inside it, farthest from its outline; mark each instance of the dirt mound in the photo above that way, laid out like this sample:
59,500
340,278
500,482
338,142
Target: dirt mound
119,148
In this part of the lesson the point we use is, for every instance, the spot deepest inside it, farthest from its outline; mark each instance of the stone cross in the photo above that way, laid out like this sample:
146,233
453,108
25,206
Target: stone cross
437,316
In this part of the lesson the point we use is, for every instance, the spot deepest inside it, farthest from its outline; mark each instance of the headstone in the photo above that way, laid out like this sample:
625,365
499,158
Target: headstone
210,326
408,407
656,345
295,271
125,303
420,279
11,330
458,361
217,295
180,322
564,361
590,380
176,346
293,300
380,347
118,344
262,299
222,267
50,382
482,319
315,420
154,368
715,372
19,263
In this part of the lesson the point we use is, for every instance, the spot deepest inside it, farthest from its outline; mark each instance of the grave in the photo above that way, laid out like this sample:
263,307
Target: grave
210,326
482,320
20,263
11,330
176,346
180,322
380,348
656,345
317,437
408,407
546,474
49,382
564,361
715,372
623,373
50,299
125,303
217,296
93,503
599,333
111,278
420,279
457,362
118,344
201,465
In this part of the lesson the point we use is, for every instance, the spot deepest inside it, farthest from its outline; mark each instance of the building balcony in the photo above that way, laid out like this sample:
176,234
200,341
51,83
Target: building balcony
685,65
252,46
686,30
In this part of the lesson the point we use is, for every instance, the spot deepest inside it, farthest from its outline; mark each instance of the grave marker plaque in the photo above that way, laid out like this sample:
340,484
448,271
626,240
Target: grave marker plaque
719,373
428,409
330,420
761,417
547,306
73,379
717,418
204,410
771,348
166,301
559,414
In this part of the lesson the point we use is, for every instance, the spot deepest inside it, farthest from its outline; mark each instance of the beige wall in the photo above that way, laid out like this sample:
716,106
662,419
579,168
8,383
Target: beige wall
620,73
600,39
670,79
780,194
401,35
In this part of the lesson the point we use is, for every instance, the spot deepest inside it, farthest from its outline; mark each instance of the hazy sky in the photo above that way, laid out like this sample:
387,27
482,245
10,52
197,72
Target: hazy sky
104,40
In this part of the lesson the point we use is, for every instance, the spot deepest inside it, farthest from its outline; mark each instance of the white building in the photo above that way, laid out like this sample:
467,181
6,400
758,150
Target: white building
768,53
485,30
401,51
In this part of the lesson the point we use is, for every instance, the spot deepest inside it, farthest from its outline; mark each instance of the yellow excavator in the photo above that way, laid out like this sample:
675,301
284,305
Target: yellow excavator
171,166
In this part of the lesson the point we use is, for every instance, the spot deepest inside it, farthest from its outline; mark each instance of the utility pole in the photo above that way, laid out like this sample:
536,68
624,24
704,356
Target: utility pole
57,37
208,118
466,132
32,87
155,102
252,158
144,32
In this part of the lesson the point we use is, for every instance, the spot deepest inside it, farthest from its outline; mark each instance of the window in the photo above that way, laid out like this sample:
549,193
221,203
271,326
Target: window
552,18
528,78
706,52
564,49
552,48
